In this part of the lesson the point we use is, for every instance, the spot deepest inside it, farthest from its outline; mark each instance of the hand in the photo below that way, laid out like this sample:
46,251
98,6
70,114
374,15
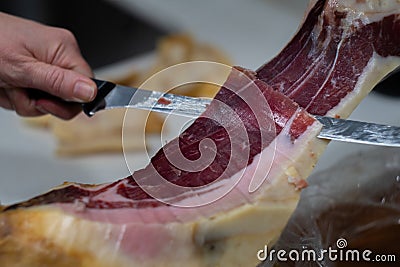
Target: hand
33,55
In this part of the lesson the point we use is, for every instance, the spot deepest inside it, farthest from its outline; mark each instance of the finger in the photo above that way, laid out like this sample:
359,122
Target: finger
5,101
21,103
64,83
60,109
75,61
63,51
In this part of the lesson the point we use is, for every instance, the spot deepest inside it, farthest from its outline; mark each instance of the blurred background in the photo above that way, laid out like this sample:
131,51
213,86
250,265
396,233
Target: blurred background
117,37
114,30
129,40
113,36
106,32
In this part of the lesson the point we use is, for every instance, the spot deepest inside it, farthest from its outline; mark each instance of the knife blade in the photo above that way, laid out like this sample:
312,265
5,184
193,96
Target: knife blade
112,96
359,132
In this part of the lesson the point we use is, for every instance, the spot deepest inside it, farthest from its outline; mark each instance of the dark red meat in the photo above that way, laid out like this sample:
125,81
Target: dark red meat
317,69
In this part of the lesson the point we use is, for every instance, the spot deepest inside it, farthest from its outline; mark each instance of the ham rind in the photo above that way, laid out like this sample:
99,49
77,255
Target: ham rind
227,185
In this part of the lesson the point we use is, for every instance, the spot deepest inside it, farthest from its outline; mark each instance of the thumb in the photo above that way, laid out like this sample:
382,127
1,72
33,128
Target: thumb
64,83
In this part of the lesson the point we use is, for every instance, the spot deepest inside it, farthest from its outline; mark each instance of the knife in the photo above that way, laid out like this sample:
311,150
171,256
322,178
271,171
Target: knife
111,96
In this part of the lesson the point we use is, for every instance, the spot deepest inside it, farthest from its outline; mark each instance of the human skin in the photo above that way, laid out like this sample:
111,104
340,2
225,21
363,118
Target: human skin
37,56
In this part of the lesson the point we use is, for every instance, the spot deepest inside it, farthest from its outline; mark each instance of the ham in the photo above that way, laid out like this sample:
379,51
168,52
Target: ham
227,185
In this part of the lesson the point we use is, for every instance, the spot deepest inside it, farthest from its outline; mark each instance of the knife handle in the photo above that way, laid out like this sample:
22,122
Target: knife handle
103,89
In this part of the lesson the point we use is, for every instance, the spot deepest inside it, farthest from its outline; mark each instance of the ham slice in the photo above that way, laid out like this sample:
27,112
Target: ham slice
227,185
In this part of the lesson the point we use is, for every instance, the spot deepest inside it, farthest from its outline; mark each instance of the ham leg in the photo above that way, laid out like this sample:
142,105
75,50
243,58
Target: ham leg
244,160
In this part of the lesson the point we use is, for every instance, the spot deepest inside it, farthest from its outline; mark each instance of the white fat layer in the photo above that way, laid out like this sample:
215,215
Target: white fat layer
248,227
111,194
277,157
364,11
360,12
256,223
368,11
231,237
259,220
273,195
377,68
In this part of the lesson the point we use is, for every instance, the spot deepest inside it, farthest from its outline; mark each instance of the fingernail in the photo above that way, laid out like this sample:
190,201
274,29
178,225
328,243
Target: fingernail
41,109
83,91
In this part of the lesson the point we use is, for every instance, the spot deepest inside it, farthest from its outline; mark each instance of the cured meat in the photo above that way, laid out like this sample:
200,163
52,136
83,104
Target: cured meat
363,194
227,185
333,54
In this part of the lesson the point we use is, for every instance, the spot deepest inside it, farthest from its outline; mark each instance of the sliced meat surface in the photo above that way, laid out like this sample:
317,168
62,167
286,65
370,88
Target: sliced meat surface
227,185
331,52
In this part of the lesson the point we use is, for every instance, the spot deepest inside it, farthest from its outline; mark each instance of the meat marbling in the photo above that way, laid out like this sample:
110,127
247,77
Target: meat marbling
245,159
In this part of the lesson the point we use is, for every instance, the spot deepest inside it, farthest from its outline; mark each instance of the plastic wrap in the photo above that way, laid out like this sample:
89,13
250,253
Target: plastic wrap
351,211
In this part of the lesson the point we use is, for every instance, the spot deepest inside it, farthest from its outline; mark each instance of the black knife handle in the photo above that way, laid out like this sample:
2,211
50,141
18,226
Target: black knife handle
103,89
